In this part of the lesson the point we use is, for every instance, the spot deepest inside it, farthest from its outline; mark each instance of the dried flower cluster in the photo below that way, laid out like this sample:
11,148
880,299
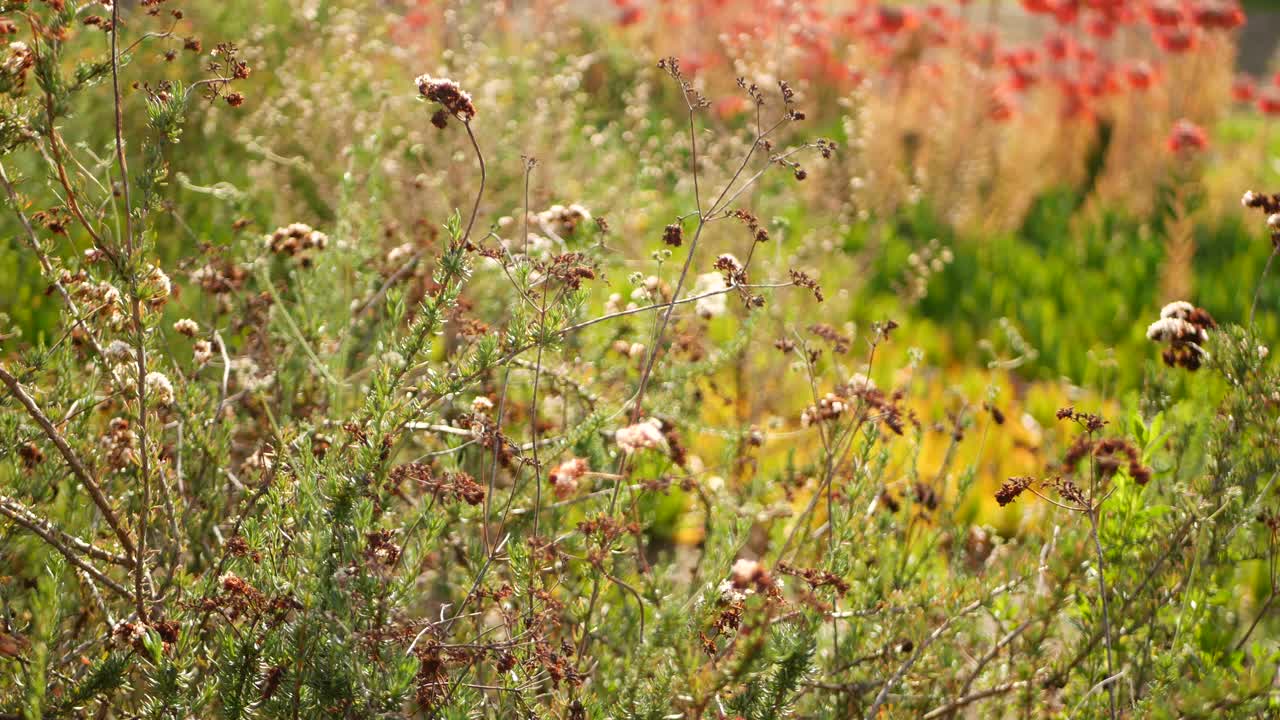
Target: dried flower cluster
1184,328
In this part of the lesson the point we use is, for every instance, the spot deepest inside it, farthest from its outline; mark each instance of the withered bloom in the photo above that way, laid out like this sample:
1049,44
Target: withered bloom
1012,488
446,92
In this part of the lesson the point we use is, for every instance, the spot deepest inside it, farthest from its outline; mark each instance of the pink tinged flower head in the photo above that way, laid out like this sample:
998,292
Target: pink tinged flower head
746,573
565,476
644,435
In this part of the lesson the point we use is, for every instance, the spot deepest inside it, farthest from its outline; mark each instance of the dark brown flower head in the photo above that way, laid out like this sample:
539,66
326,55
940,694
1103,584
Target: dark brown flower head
1089,421
889,502
381,550
673,235
1012,488
1183,327
753,91
839,342
694,99
30,454
758,232
449,95
803,280
996,414
925,495
734,273
1070,491
1270,206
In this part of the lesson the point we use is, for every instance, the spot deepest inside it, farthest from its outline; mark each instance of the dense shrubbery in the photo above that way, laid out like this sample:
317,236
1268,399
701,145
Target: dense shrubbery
578,387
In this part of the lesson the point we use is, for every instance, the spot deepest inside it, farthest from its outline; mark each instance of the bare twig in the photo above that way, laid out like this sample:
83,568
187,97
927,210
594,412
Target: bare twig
66,545
901,672
77,467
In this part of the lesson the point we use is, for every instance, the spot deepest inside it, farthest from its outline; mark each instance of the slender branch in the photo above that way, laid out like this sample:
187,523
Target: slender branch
991,655
34,243
64,541
901,672
1262,613
475,209
77,468
55,538
1257,292
139,330
966,700
1106,607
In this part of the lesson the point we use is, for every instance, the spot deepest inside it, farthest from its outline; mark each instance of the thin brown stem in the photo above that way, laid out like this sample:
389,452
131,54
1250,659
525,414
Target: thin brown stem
77,467
1257,292
1106,608
140,346
64,542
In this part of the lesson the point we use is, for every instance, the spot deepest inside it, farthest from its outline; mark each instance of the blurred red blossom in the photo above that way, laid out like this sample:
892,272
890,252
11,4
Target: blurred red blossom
1186,137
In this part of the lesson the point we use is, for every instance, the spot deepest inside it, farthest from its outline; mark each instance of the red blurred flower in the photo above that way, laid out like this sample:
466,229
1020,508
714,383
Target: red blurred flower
891,20
1003,107
1075,104
1215,15
629,14
1010,58
1164,13
983,46
1021,78
1186,136
1141,76
1101,28
1269,101
1244,89
696,61
1059,46
416,19
1103,81
1065,11
1176,41
729,106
